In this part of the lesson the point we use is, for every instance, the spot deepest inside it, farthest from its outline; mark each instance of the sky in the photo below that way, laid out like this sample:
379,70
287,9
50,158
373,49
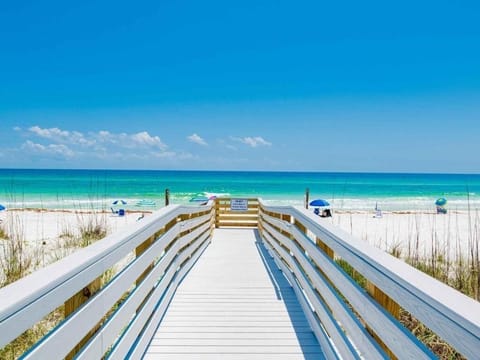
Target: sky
351,86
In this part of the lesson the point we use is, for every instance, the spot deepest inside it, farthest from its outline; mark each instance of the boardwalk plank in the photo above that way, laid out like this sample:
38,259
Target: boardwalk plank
234,305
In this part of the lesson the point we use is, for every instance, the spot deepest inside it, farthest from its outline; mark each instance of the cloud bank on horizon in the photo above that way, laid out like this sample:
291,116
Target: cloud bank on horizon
103,148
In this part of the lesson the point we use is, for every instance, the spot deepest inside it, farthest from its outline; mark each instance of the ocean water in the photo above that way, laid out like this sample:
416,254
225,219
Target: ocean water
85,189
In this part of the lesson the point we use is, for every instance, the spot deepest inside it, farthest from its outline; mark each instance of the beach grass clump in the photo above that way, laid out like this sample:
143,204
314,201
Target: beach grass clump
15,258
446,247
3,234
25,341
438,346
91,227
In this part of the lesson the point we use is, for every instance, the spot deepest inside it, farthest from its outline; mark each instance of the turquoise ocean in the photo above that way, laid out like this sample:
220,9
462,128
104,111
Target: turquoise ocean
86,189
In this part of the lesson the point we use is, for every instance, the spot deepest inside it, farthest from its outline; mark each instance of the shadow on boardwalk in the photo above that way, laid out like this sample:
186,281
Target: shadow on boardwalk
285,293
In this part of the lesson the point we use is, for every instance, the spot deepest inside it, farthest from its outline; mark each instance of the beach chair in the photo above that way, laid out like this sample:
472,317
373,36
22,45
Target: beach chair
326,213
378,214
441,210
114,211
121,212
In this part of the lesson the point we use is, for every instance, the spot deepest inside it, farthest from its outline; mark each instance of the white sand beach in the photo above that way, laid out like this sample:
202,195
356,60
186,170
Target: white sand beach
425,233
48,235
409,234
48,225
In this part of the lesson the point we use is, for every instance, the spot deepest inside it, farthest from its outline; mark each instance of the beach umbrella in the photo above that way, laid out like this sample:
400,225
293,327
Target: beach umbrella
145,202
199,199
2,207
441,201
319,202
122,202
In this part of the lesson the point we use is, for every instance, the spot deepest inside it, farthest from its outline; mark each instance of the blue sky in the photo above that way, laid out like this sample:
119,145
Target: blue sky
270,85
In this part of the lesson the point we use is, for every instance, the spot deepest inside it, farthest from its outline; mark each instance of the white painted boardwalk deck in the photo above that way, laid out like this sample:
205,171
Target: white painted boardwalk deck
234,304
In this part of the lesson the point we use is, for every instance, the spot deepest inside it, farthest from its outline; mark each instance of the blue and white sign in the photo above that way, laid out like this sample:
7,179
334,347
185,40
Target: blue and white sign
239,205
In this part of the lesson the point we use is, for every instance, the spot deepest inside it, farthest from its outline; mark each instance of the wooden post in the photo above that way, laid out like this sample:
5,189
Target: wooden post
388,304
217,213
77,300
327,250
300,226
307,197
167,197
139,250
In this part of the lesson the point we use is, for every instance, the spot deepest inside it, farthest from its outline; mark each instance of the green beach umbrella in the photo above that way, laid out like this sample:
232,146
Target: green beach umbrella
441,201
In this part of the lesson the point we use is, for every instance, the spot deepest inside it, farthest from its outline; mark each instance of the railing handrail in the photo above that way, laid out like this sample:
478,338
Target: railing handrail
452,315
25,302
290,234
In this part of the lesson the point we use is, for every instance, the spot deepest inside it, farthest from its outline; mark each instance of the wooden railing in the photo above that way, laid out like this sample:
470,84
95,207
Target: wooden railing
232,212
117,317
354,321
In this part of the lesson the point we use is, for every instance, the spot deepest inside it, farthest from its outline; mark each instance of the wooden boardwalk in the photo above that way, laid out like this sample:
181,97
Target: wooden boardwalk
234,304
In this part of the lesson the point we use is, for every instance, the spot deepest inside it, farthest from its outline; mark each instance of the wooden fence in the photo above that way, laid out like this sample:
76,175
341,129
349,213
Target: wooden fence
354,314
119,316
236,212
356,321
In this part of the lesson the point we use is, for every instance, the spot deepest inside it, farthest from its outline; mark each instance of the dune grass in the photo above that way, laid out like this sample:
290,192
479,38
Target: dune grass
17,261
447,258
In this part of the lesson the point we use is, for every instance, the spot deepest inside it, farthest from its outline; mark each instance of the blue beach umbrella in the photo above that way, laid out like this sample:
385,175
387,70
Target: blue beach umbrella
441,201
2,207
122,202
319,202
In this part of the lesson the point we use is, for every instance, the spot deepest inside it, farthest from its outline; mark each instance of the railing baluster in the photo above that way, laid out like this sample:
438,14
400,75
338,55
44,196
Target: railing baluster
77,300
388,304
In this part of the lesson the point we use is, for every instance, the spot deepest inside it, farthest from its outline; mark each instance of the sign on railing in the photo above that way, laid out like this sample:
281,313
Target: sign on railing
239,204
236,212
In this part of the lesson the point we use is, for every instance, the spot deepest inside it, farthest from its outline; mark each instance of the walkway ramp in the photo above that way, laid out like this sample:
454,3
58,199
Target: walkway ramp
234,304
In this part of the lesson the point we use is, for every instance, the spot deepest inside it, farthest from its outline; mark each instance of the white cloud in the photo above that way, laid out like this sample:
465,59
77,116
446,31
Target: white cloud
197,139
145,139
130,141
52,133
104,146
95,140
62,136
253,141
51,149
